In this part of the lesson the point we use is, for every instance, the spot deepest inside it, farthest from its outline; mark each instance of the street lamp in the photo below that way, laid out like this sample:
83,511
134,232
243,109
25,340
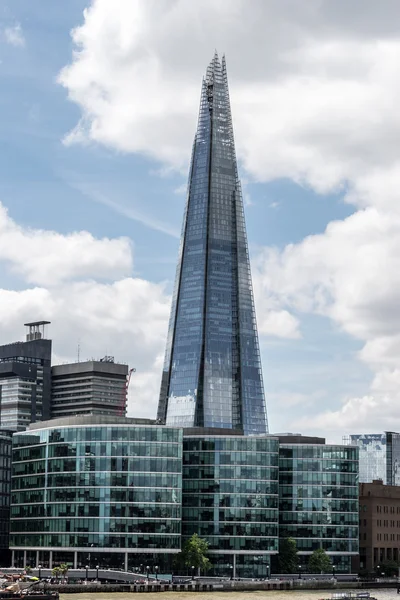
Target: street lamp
267,571
156,570
141,569
40,569
97,572
299,571
147,571
87,572
333,571
192,573
231,568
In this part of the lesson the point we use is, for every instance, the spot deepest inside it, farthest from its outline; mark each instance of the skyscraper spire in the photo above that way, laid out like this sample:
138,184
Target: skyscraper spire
212,372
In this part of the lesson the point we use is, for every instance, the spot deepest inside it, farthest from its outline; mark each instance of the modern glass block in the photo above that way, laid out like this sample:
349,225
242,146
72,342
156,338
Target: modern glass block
212,372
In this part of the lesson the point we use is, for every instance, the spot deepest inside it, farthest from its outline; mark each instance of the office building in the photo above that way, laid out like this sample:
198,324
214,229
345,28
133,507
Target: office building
5,487
379,524
230,499
96,387
25,379
212,372
90,491
318,498
379,456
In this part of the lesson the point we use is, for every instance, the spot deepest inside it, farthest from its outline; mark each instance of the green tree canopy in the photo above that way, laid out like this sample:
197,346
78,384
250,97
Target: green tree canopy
288,562
319,562
194,553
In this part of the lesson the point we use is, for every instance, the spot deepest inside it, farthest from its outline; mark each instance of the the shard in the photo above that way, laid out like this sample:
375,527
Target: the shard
212,372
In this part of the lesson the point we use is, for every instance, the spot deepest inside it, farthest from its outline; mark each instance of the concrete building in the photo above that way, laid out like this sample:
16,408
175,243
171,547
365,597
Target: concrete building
230,499
96,387
379,524
90,490
25,379
318,498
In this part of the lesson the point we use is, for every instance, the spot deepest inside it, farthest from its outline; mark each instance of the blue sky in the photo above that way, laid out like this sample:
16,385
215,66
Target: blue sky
122,177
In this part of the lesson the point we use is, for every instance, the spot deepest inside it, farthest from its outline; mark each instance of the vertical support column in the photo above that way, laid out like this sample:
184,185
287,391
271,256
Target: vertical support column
234,566
24,565
37,558
126,561
51,559
75,559
13,558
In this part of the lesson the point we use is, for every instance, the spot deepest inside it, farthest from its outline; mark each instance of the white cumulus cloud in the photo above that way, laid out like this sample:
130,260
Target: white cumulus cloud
314,88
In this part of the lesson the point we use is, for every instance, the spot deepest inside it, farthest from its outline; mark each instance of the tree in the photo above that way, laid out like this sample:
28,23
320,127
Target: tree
194,553
56,572
28,569
64,569
319,562
287,558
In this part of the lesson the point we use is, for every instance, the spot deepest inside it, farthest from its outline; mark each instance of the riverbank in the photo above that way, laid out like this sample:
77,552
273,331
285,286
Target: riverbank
224,586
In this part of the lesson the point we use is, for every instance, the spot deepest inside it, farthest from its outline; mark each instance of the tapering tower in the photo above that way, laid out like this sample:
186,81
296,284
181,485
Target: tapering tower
212,372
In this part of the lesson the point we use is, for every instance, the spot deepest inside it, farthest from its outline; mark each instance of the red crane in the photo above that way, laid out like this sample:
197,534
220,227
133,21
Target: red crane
125,393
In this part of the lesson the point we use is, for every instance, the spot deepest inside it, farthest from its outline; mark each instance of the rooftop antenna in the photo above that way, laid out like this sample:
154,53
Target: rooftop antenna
79,350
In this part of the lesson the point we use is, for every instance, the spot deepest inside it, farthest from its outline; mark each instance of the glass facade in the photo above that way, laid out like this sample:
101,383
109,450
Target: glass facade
212,372
5,488
97,489
318,500
379,456
230,498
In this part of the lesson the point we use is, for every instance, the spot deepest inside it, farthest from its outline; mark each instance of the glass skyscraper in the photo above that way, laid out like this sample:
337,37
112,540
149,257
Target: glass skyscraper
212,372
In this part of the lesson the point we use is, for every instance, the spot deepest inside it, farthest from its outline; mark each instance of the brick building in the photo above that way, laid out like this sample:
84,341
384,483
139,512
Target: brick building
379,524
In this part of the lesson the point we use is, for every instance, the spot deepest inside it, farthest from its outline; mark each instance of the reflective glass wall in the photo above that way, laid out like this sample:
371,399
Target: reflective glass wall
212,372
230,498
110,489
318,500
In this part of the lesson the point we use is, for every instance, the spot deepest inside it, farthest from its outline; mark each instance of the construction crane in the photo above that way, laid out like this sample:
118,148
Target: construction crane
125,393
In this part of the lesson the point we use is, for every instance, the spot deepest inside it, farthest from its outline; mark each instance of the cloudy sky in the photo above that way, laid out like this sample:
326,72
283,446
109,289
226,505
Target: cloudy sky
99,104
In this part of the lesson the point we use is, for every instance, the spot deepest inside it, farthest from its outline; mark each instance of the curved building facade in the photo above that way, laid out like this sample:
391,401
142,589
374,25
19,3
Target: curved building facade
88,492
230,499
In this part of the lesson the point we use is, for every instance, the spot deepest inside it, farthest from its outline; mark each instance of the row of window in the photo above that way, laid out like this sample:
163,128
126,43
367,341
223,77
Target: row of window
230,501
318,518
221,529
230,514
103,510
299,495
105,433
342,466
233,472
149,480
386,537
103,465
309,478
78,525
99,494
233,444
316,451
230,486
99,449
99,540
321,531
262,459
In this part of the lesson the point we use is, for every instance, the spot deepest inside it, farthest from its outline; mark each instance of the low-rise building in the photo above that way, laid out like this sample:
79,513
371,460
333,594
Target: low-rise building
379,524
318,498
230,499
88,490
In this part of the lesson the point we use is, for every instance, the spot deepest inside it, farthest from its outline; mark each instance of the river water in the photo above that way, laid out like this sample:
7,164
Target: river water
379,594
